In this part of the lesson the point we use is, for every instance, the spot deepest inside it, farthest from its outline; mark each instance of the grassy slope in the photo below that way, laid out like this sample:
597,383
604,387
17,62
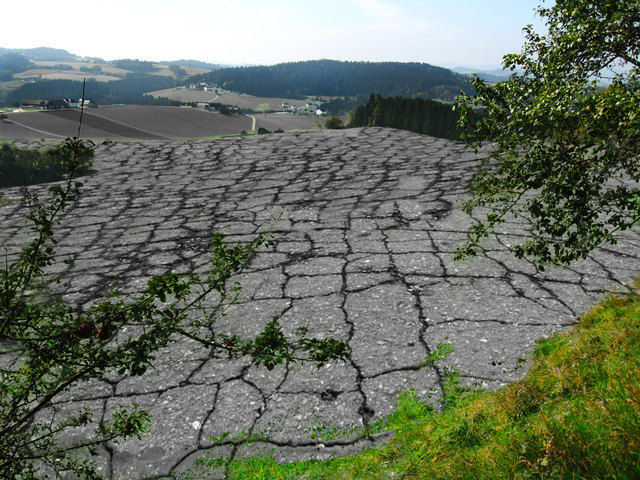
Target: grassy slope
576,415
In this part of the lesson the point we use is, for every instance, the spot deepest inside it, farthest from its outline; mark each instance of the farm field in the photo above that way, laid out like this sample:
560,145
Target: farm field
129,121
47,70
287,121
52,74
224,97
143,122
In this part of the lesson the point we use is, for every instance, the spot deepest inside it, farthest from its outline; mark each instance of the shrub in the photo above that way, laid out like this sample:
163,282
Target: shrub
21,167
333,122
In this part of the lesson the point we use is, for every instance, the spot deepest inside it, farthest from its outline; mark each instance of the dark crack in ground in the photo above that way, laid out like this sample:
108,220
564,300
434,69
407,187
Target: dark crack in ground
363,254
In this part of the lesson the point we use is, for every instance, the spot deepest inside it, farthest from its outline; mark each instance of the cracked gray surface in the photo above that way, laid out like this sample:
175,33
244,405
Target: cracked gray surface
363,253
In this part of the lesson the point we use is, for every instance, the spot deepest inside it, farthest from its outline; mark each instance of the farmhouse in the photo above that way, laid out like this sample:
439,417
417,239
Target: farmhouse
205,106
203,86
45,104
56,103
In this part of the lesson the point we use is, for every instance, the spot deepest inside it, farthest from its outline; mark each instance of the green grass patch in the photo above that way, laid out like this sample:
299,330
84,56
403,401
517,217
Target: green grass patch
576,415
7,201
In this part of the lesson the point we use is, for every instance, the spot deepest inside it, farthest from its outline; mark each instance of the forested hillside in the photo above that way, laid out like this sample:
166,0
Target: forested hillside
193,63
428,117
42,54
335,78
128,90
32,74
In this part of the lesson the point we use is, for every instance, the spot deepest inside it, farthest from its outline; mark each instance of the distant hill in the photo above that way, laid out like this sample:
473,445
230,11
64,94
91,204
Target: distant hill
495,75
42,54
194,64
47,73
129,90
336,78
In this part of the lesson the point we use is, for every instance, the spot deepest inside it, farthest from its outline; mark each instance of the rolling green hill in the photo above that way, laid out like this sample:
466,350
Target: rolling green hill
127,90
42,54
46,73
335,78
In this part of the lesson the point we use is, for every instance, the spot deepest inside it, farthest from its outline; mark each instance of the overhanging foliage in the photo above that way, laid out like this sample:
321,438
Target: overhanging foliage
565,146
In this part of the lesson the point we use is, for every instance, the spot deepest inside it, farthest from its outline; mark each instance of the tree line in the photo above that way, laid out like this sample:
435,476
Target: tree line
336,78
340,105
428,117
130,89
19,167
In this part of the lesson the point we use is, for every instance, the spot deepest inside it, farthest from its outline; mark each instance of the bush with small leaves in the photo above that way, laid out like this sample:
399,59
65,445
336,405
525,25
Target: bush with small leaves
333,123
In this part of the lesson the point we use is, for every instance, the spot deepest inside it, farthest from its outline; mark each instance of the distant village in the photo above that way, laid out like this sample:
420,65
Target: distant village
311,108
57,104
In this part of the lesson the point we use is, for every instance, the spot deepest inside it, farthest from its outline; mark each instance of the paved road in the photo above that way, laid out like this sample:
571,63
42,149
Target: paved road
363,253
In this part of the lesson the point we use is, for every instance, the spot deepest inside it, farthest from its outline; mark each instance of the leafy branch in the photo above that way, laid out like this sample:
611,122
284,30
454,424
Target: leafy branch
61,345
564,148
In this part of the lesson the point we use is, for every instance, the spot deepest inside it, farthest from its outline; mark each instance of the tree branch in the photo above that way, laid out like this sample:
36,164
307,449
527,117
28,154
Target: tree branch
73,378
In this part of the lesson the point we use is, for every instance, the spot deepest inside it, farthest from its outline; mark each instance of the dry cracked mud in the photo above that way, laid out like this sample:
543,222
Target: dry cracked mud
363,253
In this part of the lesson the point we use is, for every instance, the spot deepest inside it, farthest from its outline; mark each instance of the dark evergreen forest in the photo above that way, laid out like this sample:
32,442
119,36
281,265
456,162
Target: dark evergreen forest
343,105
128,90
344,79
428,117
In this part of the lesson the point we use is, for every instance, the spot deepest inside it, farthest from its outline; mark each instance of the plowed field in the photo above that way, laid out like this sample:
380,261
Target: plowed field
130,121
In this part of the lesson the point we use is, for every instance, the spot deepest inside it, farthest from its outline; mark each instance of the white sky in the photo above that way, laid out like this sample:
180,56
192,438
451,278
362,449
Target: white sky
440,32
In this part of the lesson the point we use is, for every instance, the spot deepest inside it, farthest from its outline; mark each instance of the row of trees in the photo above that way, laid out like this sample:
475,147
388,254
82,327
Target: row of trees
91,69
343,105
140,66
335,78
428,117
